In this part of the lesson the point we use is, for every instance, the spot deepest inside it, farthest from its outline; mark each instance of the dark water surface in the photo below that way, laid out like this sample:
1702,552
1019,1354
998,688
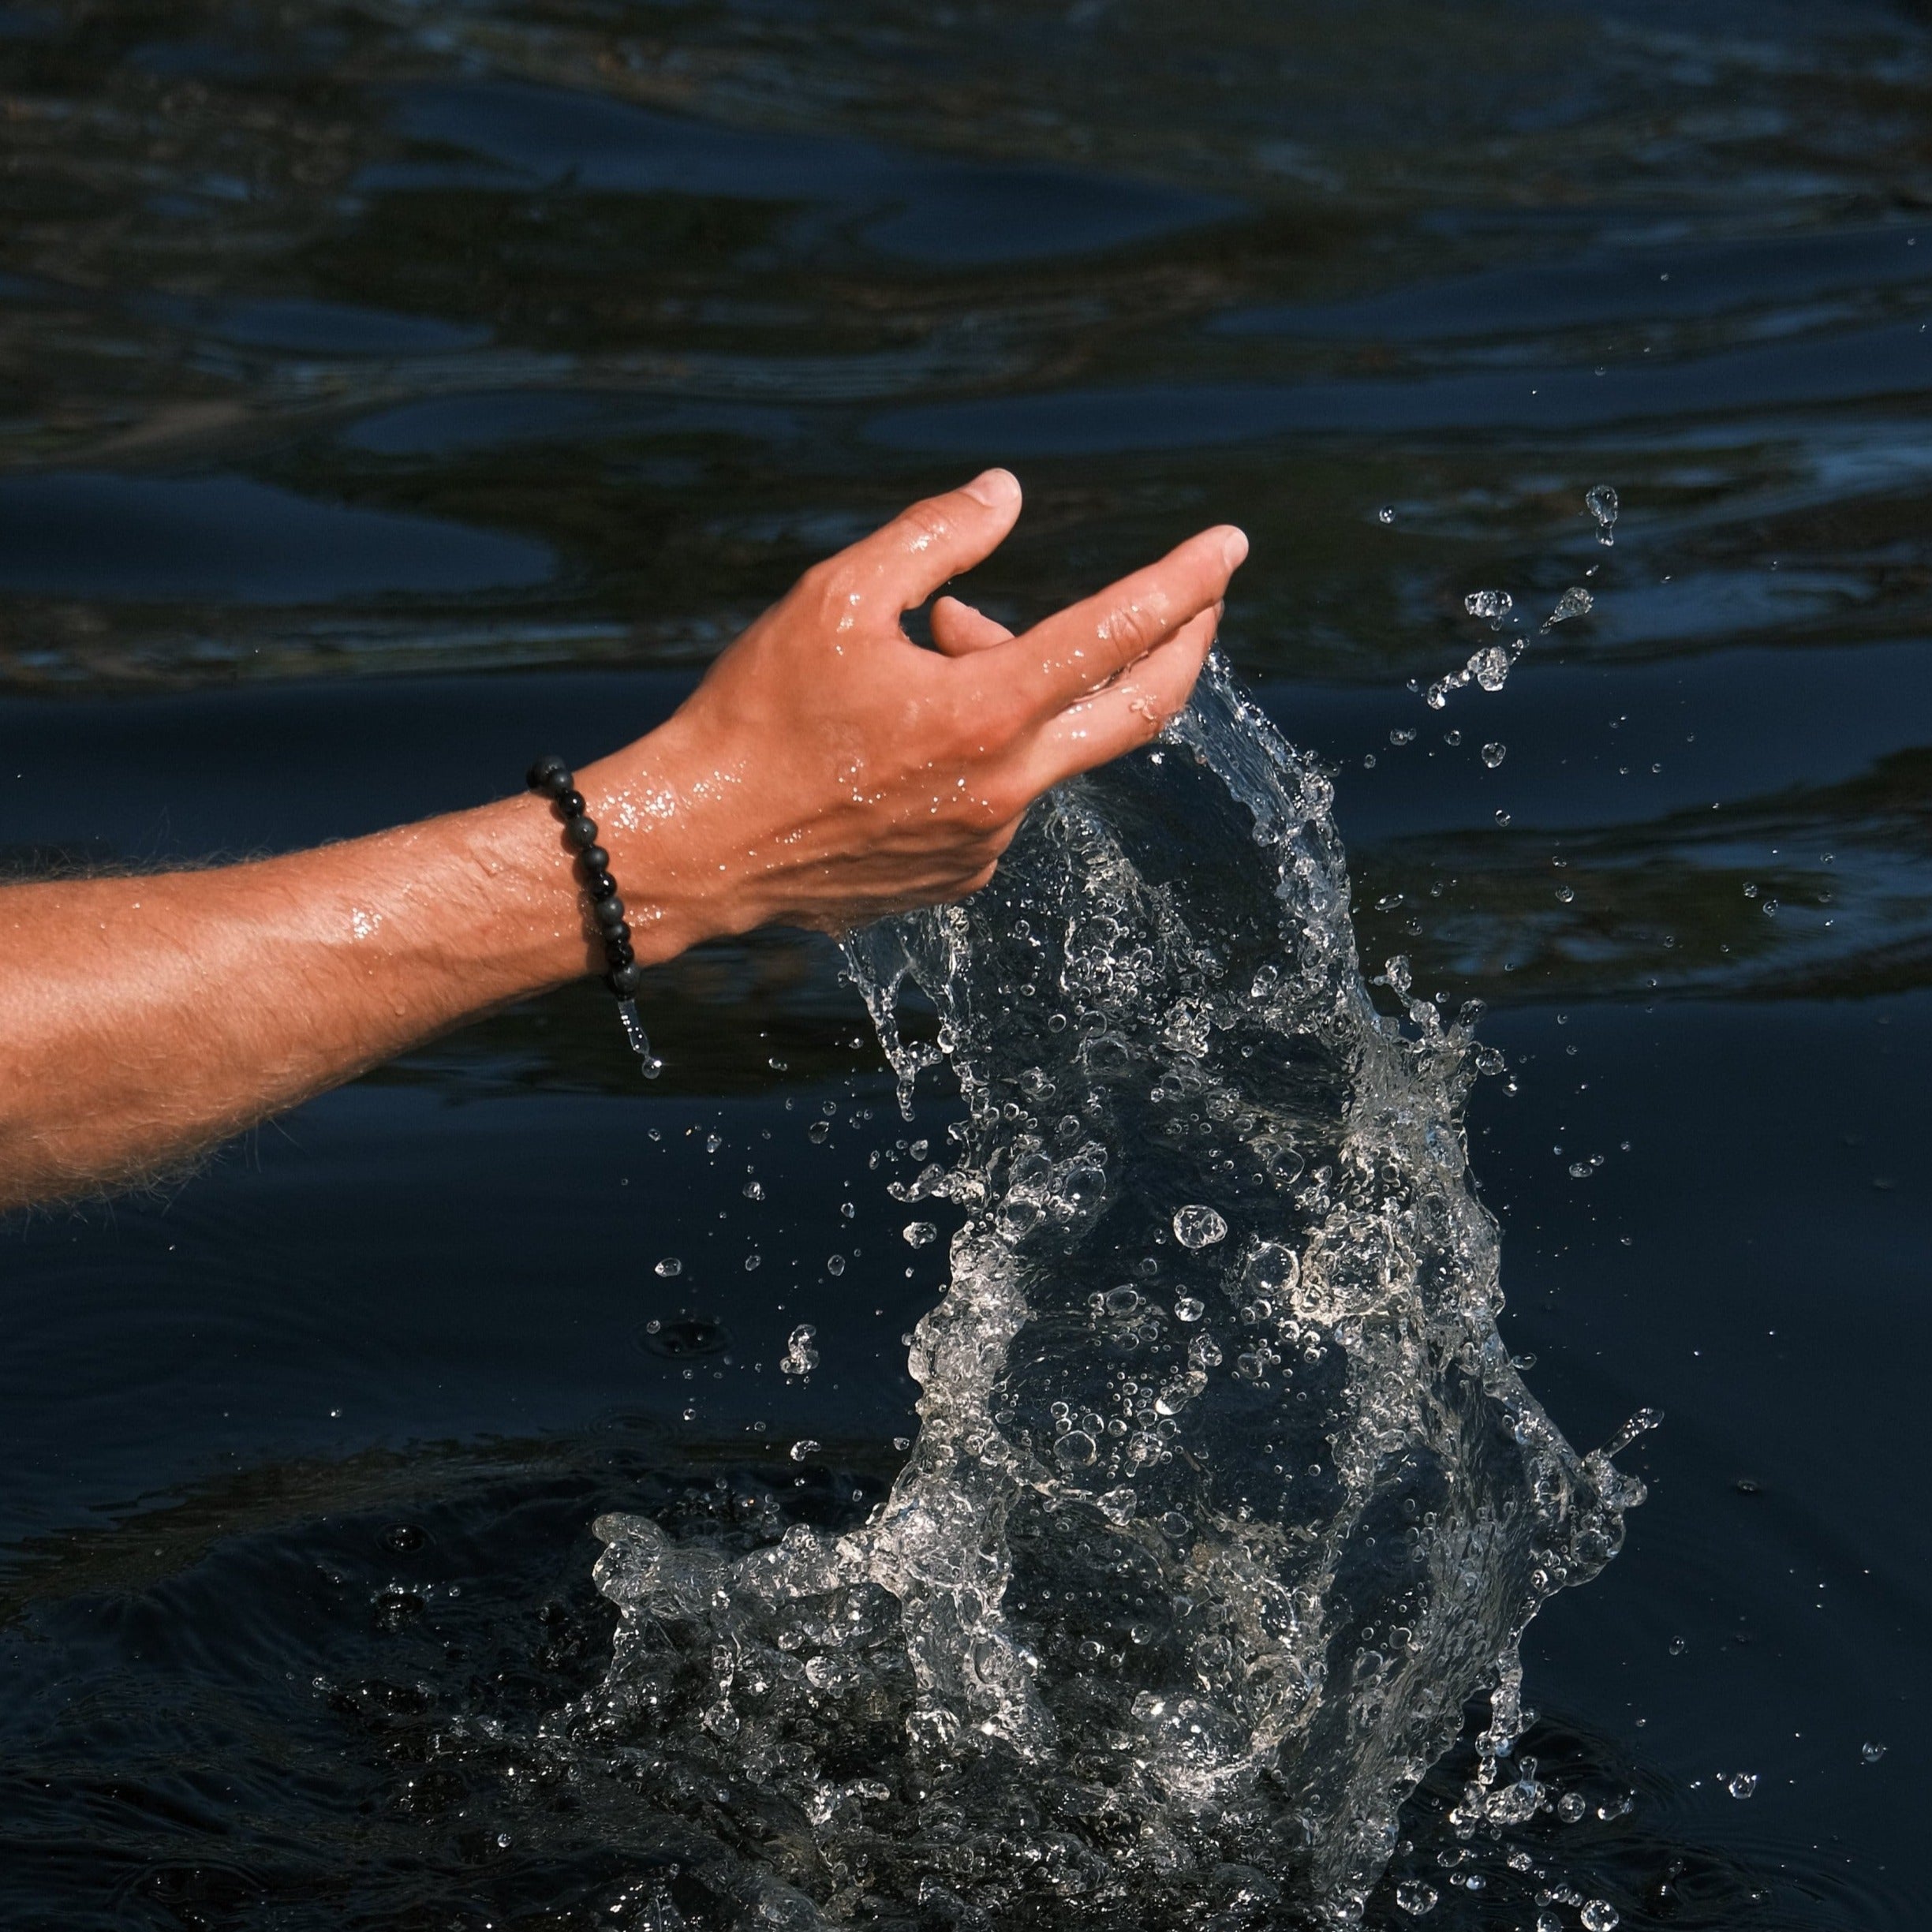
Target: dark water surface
393,392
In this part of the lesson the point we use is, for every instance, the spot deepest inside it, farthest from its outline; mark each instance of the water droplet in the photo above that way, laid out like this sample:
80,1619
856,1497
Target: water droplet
1189,1308
1565,893
1490,666
834,1264
804,1447
669,1267
919,1234
800,1357
753,1191
818,1132
1602,504
1744,1785
1494,753
1415,1897
1570,1807
1871,1753
1599,1915
1495,605
1574,602
1199,1228
1502,818
1386,513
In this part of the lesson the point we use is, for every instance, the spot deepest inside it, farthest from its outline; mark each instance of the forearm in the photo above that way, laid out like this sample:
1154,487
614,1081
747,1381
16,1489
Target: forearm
144,1017
826,772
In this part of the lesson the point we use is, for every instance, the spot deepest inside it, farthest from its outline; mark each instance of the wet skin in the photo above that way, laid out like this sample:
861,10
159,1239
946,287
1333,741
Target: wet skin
827,771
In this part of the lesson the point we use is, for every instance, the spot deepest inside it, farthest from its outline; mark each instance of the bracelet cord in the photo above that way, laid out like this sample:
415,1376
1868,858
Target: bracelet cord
553,779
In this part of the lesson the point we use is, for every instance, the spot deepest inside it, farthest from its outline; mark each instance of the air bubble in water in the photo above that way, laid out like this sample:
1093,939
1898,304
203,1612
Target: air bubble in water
1190,1308
1603,506
1493,754
1197,1226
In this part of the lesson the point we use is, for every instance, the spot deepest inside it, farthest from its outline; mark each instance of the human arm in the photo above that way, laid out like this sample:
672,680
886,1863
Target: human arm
826,770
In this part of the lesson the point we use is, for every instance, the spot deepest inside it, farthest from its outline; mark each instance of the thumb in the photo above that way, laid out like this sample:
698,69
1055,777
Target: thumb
903,564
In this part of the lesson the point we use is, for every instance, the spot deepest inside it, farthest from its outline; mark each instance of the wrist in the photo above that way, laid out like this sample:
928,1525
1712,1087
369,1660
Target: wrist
656,811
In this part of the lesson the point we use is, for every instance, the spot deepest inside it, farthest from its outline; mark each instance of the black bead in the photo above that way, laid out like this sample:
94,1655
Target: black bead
596,863
571,802
619,953
582,831
624,979
609,912
616,937
550,775
599,885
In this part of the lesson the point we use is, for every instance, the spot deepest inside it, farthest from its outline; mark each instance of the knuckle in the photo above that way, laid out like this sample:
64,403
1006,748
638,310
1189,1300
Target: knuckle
924,525
1134,630
823,582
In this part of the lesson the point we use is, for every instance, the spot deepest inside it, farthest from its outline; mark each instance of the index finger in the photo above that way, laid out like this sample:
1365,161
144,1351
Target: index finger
1077,650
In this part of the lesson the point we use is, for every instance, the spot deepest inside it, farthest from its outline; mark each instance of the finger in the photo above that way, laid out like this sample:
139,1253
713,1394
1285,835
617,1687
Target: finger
1136,708
1079,649
959,630
902,565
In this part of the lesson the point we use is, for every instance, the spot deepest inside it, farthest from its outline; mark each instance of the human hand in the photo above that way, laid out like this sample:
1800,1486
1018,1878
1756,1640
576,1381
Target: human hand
829,770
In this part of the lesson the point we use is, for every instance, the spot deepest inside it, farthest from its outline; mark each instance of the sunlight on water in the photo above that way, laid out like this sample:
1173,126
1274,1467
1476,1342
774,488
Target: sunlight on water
1227,1497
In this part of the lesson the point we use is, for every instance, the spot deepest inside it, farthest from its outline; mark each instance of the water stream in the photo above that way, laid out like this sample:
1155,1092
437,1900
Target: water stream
1227,1497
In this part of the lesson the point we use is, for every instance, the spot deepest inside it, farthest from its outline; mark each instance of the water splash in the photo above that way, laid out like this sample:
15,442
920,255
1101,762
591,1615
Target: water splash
1226,1497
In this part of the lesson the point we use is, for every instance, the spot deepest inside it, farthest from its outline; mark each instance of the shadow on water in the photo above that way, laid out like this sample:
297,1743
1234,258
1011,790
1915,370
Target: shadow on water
392,393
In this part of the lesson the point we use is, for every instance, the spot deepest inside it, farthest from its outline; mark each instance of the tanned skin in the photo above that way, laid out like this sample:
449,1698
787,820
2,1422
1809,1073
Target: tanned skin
828,770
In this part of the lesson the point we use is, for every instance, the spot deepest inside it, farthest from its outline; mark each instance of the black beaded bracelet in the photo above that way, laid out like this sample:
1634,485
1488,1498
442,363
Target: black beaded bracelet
553,779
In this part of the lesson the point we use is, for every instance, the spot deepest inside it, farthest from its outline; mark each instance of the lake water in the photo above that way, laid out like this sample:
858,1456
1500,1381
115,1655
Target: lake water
395,392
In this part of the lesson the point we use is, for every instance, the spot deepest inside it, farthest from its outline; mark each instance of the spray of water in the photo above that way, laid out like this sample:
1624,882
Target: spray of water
1225,1498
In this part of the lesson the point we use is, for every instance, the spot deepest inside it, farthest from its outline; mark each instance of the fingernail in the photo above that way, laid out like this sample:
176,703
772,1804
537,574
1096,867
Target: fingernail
1234,548
995,488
